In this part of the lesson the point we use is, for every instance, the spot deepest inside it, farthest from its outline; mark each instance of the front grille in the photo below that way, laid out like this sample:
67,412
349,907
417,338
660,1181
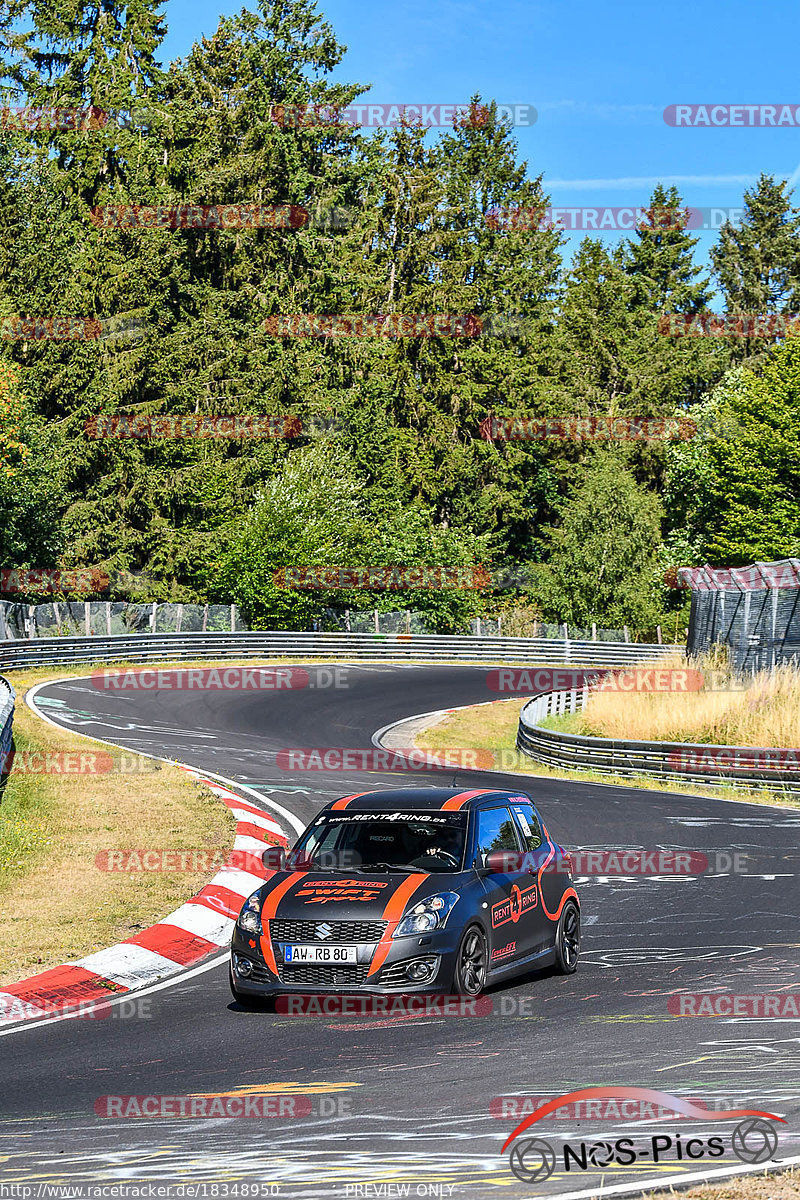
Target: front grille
342,931
315,975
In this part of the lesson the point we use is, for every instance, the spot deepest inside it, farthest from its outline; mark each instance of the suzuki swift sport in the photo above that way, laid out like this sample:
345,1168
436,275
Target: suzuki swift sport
414,890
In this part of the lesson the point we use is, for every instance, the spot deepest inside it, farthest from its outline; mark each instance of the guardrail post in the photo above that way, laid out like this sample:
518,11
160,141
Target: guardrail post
29,621
500,625
205,617
658,634
377,622
87,618
478,626
347,620
408,621
626,634
594,631
233,618
179,619
108,618
153,617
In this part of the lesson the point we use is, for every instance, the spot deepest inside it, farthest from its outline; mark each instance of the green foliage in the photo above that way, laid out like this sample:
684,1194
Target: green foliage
407,477
603,562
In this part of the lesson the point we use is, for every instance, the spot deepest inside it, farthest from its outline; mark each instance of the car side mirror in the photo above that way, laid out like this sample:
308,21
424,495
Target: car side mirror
274,858
501,862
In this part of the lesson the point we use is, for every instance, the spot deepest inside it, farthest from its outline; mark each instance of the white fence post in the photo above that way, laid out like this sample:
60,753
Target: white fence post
566,643
179,619
205,617
153,616
658,634
233,618
377,622
625,632
108,618
87,618
594,631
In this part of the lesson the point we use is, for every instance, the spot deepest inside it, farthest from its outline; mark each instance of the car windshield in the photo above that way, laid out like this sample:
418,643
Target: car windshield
383,841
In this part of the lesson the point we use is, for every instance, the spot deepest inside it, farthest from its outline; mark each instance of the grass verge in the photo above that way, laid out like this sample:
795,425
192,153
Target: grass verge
55,903
493,728
782,1185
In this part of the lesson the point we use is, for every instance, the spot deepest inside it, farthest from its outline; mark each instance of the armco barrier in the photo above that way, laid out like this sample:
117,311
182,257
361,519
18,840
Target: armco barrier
7,697
430,648
608,756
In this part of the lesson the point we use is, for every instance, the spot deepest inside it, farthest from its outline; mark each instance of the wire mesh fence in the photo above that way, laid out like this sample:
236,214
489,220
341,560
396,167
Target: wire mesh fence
754,611
108,618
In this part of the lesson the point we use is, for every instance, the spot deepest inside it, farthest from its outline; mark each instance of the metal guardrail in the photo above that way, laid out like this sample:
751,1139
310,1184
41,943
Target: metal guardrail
7,697
141,648
668,760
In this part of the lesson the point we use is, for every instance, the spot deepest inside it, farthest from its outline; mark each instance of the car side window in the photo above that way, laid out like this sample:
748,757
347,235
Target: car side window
529,823
496,831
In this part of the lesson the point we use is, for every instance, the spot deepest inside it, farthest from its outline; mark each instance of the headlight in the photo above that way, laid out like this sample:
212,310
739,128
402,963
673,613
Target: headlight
250,917
430,913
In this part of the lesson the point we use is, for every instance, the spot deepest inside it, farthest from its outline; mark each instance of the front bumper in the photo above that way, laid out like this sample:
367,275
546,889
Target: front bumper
439,948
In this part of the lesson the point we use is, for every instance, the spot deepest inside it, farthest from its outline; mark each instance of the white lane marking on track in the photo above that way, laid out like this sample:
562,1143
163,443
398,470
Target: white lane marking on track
30,697
662,1181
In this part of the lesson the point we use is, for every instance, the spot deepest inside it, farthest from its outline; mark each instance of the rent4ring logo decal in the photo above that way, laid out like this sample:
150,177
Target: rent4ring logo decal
513,908
753,1140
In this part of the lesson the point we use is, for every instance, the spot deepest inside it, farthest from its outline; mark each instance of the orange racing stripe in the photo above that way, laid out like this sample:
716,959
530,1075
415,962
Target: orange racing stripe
345,800
395,907
459,800
269,910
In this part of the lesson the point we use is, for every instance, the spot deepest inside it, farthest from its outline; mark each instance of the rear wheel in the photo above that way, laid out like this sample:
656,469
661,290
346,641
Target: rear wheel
568,939
472,962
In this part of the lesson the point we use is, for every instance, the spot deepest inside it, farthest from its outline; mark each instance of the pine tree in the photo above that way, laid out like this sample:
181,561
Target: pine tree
758,263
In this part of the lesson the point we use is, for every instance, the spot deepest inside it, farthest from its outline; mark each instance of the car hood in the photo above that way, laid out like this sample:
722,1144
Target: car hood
337,895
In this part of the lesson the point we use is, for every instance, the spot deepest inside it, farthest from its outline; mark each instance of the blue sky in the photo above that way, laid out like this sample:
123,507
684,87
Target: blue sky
600,77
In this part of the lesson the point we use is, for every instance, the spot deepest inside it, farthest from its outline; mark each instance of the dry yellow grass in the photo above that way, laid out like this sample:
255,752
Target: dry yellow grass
764,713
55,904
493,728
782,1185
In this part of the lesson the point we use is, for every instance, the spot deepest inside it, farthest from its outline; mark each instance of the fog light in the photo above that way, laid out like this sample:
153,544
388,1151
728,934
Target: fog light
243,967
419,971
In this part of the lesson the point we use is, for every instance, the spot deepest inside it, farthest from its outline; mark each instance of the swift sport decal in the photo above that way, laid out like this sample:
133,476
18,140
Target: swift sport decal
320,891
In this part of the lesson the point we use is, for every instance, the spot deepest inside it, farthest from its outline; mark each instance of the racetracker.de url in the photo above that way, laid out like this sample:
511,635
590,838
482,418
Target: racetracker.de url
137,1191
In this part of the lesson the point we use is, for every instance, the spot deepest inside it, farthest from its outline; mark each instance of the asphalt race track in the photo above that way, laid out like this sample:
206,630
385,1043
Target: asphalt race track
406,1101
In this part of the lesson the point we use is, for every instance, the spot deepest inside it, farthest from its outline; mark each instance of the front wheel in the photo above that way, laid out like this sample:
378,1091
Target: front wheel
568,939
472,963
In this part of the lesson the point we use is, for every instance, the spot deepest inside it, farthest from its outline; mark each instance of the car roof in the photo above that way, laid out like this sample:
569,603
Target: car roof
425,799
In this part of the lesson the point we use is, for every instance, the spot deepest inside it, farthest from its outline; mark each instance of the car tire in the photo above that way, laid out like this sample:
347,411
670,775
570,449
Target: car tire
568,939
472,963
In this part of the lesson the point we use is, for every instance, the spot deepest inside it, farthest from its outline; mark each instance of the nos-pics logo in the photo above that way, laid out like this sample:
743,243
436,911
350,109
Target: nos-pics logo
754,1140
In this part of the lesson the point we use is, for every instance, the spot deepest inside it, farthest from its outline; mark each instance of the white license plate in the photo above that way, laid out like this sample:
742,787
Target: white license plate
320,954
